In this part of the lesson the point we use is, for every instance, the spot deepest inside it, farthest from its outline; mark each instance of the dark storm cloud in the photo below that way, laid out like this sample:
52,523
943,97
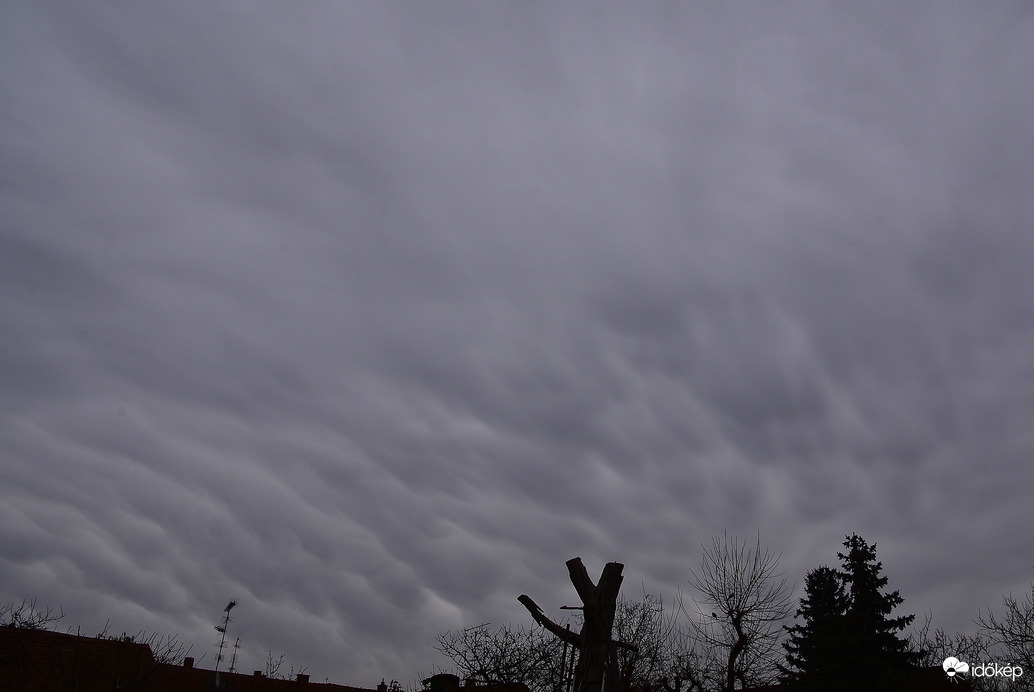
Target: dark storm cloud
371,316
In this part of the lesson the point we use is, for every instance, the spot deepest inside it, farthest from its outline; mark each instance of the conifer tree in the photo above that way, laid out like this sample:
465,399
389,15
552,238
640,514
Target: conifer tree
871,636
847,640
815,648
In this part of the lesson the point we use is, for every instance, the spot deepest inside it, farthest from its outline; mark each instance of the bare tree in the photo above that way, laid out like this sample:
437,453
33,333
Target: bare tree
659,657
665,658
935,645
506,654
743,600
273,664
642,623
165,648
1013,633
29,616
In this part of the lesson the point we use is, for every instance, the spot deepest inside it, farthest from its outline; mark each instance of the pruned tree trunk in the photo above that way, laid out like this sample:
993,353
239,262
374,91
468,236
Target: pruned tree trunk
597,659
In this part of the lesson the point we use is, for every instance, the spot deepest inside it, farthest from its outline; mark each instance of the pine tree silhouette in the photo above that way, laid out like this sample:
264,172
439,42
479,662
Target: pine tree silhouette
872,643
847,640
815,648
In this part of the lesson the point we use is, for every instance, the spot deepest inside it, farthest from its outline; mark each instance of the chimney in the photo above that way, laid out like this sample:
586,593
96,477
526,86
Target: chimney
258,673
302,679
382,687
188,662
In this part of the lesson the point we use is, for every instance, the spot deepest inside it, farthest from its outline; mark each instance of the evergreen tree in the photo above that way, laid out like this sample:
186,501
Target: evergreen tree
814,652
847,641
872,644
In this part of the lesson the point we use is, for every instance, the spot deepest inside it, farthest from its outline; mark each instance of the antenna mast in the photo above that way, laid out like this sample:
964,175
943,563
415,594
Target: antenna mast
221,629
233,661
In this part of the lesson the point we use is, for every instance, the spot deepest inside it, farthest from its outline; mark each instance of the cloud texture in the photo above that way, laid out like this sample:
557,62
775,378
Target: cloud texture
370,316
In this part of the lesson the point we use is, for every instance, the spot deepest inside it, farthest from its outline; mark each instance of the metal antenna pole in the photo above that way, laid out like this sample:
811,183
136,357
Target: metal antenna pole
221,629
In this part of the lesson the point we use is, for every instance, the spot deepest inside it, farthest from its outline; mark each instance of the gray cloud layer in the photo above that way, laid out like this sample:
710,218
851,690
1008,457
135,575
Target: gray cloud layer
370,316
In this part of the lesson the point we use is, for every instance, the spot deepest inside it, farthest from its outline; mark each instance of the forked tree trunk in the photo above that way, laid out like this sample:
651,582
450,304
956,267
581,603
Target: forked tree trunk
597,660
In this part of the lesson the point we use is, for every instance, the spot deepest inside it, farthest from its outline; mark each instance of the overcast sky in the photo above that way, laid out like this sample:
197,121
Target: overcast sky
371,315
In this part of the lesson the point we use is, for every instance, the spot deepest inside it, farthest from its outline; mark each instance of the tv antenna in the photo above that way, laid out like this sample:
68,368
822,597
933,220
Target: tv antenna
221,629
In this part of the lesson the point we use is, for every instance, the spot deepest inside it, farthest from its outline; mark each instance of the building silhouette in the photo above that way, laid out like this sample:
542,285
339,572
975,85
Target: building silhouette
44,661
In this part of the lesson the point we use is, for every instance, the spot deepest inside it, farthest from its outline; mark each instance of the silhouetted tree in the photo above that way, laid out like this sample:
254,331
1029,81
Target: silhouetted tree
274,665
746,598
661,659
937,645
506,654
642,623
29,616
665,658
597,650
1013,634
872,639
745,601
847,641
165,648
815,646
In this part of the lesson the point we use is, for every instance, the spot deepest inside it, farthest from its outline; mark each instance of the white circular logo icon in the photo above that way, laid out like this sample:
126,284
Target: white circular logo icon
952,666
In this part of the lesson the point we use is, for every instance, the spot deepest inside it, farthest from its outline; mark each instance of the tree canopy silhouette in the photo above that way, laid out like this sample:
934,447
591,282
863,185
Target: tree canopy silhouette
814,647
748,599
847,640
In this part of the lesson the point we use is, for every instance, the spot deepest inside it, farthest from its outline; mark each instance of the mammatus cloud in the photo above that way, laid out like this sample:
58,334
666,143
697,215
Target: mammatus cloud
371,319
